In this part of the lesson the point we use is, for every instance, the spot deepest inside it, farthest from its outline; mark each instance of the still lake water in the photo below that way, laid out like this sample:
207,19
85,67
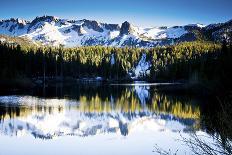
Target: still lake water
98,119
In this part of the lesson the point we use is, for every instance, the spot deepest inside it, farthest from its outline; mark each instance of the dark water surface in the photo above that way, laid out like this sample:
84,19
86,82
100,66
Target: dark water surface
101,119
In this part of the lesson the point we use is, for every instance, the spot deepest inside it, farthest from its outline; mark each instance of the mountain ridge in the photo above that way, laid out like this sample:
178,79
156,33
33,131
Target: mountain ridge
55,31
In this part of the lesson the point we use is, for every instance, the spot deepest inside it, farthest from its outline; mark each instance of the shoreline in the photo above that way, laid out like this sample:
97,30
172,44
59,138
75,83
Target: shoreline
27,84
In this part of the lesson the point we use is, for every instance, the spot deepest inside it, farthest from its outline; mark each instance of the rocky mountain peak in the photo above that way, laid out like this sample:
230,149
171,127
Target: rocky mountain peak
112,27
78,29
47,18
44,19
21,21
92,24
38,21
15,21
126,28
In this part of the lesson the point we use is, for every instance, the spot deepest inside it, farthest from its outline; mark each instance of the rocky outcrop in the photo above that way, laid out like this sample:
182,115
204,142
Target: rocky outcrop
94,25
37,22
78,29
126,29
112,27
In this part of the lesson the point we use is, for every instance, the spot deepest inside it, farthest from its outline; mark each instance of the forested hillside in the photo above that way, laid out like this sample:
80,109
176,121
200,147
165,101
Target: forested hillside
190,61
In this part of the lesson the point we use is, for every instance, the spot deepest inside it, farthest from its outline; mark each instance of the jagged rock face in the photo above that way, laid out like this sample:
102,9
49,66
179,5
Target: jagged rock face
223,34
112,27
220,32
13,22
194,33
78,29
187,38
192,28
163,27
45,19
39,21
126,29
177,26
19,21
55,31
94,25
12,28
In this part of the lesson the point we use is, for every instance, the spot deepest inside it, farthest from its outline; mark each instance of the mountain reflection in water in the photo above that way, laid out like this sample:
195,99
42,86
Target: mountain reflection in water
91,110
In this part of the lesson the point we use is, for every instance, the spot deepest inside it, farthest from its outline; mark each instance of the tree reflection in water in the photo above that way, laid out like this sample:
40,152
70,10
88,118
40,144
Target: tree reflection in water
89,110
216,121
106,108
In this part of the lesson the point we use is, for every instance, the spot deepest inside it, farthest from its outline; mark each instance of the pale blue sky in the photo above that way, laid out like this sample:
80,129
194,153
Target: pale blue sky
139,12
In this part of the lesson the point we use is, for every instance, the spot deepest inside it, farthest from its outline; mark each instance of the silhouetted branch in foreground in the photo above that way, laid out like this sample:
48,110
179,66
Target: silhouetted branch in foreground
218,140
161,151
200,146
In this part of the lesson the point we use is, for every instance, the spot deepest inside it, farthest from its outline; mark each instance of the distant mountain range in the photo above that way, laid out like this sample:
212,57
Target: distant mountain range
55,31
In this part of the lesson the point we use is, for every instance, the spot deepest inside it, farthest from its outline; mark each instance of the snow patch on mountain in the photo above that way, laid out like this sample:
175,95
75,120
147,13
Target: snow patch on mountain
163,33
197,25
175,32
48,34
113,34
142,69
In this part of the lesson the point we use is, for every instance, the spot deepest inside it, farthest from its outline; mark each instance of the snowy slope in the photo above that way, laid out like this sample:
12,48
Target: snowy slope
13,27
55,31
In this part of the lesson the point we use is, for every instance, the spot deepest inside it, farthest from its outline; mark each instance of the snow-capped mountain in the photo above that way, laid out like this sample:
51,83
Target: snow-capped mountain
55,31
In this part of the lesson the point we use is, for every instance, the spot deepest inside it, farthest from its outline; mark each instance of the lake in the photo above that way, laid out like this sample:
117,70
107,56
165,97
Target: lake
102,119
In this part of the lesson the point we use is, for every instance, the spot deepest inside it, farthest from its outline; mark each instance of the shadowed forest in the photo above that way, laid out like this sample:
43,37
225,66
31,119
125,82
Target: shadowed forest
191,62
